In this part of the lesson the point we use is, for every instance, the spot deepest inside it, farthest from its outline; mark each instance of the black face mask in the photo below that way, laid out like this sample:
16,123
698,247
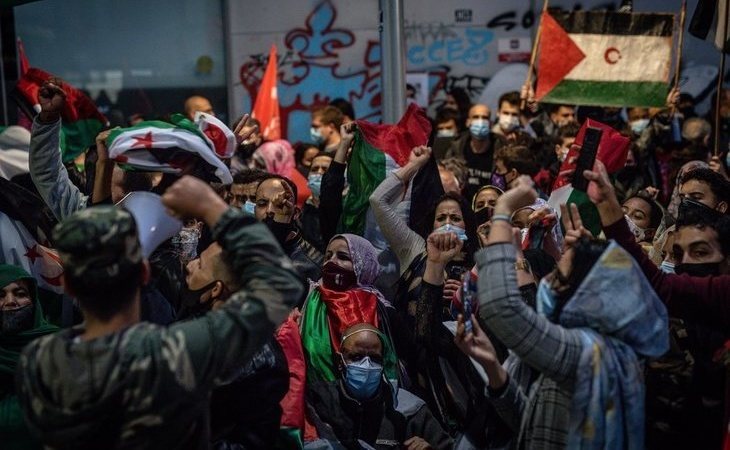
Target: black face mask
698,269
337,278
190,298
17,320
280,230
483,215
627,174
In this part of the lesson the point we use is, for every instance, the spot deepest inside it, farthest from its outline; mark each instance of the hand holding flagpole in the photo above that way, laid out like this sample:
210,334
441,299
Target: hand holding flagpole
680,45
533,56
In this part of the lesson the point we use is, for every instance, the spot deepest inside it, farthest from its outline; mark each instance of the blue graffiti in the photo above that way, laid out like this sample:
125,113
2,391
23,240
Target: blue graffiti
470,50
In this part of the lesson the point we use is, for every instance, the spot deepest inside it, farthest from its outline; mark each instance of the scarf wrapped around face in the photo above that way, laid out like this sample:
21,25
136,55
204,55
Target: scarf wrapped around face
11,345
621,320
327,314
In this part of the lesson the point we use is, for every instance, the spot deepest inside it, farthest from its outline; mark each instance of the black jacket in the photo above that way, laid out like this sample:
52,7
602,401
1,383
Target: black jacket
339,417
245,413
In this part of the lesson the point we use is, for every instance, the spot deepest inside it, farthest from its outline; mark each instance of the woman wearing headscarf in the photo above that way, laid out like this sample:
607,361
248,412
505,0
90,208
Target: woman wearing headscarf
437,371
22,322
597,318
277,157
344,296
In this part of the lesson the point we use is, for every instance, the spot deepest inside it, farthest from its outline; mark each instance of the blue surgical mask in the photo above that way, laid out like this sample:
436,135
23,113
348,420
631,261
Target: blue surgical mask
637,126
316,135
479,128
449,228
545,299
362,378
314,181
249,208
667,267
446,133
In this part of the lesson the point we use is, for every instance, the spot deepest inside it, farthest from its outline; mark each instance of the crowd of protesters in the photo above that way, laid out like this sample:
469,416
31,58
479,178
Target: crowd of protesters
495,320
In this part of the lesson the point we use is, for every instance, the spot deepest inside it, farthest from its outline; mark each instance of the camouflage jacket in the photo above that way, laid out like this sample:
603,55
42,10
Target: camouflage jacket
148,386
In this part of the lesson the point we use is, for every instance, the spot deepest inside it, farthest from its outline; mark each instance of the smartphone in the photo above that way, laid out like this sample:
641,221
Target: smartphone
587,157
455,272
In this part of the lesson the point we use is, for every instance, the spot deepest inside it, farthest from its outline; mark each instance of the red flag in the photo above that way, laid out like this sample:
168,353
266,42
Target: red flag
82,121
612,151
23,63
397,140
266,108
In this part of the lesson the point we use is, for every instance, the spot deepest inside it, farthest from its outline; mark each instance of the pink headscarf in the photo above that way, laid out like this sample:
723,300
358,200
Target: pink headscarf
277,156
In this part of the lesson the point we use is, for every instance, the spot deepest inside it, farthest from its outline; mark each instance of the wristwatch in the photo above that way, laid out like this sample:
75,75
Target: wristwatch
523,264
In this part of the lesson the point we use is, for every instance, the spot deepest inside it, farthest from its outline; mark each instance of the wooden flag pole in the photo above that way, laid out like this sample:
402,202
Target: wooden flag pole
720,78
533,56
680,43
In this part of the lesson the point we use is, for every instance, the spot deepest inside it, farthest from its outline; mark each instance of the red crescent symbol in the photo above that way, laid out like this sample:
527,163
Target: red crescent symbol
53,281
612,55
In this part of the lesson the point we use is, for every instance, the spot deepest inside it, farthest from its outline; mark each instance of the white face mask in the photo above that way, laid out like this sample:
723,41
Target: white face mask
446,133
508,123
639,233
563,153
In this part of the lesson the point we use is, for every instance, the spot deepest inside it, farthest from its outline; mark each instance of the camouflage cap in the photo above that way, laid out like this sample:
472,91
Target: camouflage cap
101,240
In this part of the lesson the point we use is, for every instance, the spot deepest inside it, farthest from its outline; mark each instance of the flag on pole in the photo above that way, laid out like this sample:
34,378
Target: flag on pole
23,64
378,150
177,147
708,22
82,121
266,108
604,58
613,150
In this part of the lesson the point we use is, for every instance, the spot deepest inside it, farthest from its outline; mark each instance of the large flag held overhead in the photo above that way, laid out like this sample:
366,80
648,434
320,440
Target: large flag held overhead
604,58
266,108
378,150
708,22
613,150
81,120
177,147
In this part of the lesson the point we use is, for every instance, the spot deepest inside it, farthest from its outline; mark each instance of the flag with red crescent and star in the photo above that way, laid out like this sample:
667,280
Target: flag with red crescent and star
604,58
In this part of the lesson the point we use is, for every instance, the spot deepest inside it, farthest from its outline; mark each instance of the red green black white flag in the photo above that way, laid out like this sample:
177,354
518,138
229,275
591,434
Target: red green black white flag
605,58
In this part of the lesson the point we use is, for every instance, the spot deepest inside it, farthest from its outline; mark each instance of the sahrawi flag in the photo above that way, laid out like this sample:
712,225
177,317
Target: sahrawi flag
377,151
612,152
81,120
177,147
604,58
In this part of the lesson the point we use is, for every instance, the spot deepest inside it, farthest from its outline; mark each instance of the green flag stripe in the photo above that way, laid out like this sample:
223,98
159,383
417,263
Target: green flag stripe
608,93
77,136
587,210
365,172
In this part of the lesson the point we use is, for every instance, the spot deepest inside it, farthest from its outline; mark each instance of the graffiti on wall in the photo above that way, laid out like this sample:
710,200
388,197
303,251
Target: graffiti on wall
320,61
310,74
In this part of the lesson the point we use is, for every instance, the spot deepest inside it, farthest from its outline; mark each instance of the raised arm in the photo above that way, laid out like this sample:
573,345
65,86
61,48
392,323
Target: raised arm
406,243
687,297
545,346
269,286
46,168
333,183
